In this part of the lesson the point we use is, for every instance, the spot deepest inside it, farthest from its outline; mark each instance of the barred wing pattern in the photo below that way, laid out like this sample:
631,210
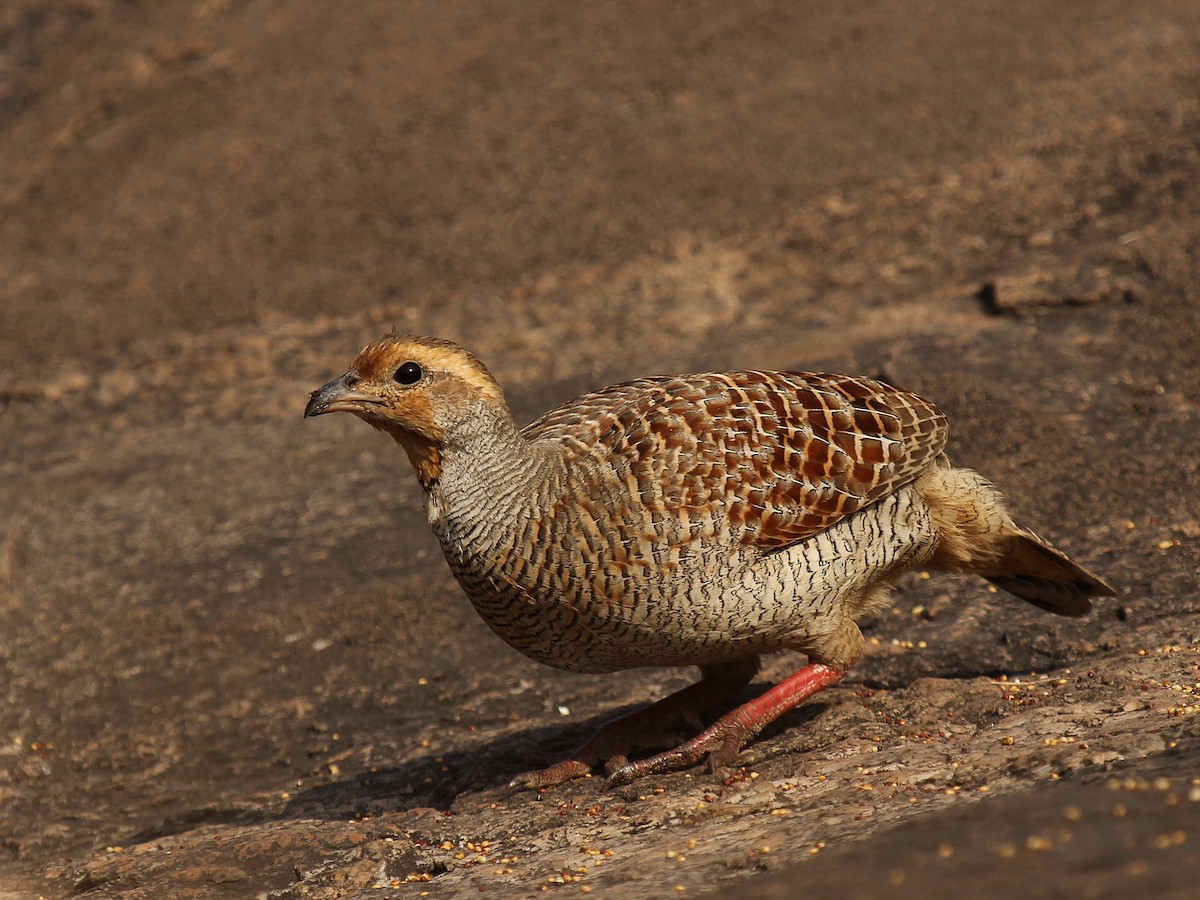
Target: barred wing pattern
783,454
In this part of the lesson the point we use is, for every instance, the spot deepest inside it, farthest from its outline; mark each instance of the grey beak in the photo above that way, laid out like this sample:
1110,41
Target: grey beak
339,396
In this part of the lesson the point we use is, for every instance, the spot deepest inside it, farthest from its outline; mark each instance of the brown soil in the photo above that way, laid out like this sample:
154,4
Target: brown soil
232,659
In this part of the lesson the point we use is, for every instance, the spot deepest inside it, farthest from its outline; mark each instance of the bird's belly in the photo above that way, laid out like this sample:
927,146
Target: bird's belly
695,603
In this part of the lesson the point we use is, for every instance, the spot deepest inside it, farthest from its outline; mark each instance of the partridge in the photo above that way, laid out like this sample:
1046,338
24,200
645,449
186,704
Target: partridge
690,520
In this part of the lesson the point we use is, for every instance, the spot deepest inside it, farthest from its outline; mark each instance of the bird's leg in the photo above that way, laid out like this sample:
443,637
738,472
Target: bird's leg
612,743
723,740
835,652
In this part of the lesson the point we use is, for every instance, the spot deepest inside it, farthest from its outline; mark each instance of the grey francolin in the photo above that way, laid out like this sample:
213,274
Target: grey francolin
690,520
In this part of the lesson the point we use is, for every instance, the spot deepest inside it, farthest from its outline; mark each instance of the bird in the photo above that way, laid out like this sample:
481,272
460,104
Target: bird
690,520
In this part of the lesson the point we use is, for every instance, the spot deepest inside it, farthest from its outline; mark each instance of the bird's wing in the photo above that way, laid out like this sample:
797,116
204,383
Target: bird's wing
783,455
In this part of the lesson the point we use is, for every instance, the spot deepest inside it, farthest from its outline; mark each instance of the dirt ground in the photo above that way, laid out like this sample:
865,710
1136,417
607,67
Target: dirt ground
232,660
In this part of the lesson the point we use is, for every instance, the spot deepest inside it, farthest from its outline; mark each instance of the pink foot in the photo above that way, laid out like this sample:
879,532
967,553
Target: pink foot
612,743
723,740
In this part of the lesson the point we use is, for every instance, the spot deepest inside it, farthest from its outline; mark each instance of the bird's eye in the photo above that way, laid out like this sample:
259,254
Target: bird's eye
409,373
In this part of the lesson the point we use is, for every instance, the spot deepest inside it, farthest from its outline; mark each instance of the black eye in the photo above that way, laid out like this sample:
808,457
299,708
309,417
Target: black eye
409,373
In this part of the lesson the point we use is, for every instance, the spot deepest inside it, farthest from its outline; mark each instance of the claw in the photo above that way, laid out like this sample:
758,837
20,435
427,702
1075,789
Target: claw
615,763
620,776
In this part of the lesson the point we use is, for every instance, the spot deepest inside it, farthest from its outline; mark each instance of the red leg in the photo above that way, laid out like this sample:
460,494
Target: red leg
723,740
613,742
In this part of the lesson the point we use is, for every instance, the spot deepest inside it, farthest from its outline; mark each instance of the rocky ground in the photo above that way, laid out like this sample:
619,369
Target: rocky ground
232,660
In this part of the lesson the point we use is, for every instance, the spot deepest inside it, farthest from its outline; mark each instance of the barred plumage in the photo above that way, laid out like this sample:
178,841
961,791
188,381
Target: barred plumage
785,454
697,519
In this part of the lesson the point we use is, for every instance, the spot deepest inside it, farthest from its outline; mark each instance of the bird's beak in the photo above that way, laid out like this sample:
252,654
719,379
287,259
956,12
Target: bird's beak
339,396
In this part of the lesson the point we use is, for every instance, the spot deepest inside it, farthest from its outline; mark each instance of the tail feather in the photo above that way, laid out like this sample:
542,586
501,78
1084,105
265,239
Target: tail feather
976,535
1039,573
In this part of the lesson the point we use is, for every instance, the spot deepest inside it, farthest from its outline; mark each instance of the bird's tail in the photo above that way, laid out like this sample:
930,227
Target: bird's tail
977,535
1038,572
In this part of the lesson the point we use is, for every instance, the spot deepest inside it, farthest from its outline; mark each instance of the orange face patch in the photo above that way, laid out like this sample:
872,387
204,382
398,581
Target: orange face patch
451,377
379,361
414,410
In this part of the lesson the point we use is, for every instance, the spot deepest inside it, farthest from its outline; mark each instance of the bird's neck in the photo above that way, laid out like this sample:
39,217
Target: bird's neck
483,471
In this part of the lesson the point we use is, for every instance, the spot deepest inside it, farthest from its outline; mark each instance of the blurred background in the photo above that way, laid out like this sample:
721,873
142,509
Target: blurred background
176,167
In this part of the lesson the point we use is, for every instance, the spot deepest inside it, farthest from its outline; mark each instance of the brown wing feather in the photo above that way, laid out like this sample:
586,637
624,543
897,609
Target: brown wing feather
785,454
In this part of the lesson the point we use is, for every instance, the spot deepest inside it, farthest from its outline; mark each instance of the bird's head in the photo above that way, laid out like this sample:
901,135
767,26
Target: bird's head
420,390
